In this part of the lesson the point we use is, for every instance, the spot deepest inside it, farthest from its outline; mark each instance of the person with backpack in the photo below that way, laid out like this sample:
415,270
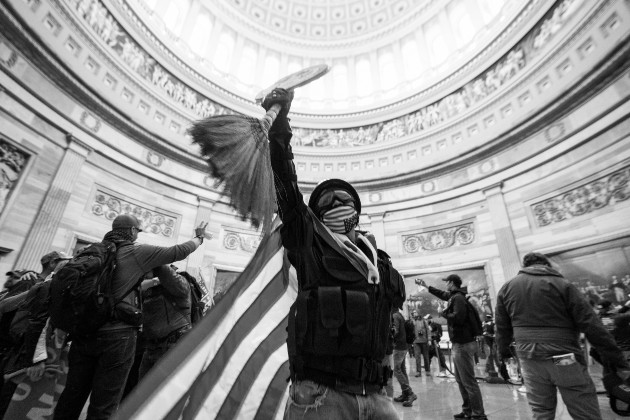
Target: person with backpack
100,360
166,306
464,325
401,344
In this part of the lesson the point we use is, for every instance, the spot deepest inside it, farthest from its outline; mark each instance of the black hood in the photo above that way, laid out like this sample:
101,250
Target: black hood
540,270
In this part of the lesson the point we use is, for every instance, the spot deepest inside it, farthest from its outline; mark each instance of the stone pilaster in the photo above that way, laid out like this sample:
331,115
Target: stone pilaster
508,253
40,237
378,228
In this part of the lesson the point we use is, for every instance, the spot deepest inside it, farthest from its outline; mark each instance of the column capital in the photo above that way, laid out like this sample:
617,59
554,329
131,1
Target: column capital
205,202
493,189
77,145
376,217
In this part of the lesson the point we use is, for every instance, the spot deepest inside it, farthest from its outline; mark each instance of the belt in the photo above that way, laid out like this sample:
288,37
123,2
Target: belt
172,337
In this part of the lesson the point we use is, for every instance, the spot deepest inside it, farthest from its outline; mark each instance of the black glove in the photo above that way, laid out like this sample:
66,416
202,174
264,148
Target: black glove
279,96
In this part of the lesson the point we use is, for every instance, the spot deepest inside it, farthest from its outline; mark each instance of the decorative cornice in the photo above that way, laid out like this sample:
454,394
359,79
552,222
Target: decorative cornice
238,240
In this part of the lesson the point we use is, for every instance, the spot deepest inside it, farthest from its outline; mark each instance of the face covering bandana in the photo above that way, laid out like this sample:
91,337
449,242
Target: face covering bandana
341,219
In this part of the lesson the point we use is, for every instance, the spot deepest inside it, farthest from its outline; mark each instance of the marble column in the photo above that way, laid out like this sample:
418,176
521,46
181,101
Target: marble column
508,252
377,228
40,237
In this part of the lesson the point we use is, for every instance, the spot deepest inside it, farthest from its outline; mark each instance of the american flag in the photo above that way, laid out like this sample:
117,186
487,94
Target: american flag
234,363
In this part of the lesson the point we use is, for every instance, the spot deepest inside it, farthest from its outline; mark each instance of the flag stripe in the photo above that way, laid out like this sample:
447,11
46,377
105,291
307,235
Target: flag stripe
232,402
250,318
178,370
273,398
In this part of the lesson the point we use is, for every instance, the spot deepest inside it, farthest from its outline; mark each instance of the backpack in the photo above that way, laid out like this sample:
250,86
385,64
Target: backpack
197,305
476,327
410,331
80,293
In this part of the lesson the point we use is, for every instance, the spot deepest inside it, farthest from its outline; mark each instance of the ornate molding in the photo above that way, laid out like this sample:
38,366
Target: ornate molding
235,240
440,238
155,159
8,56
587,198
90,121
12,163
154,222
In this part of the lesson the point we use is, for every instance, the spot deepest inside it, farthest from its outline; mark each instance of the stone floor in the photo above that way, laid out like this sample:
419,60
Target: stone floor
439,398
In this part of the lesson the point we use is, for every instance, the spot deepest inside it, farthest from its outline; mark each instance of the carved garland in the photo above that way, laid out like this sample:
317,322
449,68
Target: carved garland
236,240
439,238
109,206
584,199
12,163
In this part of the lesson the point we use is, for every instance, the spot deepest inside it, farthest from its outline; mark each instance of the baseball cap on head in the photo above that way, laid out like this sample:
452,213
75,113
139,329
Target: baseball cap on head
457,281
126,221
54,255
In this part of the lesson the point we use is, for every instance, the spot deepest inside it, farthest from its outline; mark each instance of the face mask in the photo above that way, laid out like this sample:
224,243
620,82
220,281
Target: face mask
341,219
334,198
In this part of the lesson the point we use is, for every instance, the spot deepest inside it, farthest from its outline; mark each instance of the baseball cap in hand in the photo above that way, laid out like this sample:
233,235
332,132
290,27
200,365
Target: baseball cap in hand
457,281
126,221
54,255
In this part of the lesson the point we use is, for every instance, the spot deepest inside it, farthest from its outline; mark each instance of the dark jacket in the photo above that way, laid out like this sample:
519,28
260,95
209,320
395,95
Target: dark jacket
166,306
133,262
456,314
400,335
339,324
541,306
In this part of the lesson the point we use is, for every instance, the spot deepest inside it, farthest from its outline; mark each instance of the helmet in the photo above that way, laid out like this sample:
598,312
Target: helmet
333,184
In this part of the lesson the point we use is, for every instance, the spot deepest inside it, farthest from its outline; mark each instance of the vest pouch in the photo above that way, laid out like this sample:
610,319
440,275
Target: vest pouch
341,269
330,318
358,323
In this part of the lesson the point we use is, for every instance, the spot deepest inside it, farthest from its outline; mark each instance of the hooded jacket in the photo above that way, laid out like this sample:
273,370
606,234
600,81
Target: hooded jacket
541,306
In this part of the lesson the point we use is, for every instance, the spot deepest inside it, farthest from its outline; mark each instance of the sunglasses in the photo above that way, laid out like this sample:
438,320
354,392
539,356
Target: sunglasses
334,198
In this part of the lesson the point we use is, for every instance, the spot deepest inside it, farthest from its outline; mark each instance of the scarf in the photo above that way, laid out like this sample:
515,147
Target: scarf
118,235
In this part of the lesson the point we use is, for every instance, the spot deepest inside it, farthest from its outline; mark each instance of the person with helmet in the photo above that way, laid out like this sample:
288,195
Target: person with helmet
339,325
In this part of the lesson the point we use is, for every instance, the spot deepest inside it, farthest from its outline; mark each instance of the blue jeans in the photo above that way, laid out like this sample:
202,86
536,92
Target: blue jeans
309,400
543,377
100,365
464,361
400,370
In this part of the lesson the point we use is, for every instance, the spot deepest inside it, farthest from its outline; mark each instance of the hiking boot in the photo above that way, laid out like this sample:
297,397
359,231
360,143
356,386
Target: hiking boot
402,397
428,373
410,399
418,374
461,415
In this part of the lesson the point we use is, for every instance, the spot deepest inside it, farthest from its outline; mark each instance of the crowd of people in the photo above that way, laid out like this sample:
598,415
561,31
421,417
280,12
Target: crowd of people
346,335
152,309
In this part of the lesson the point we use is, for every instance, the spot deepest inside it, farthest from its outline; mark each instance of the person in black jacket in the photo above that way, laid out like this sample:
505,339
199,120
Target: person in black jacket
464,345
544,314
338,326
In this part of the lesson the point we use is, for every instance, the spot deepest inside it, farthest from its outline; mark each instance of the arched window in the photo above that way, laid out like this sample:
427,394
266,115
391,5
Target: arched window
247,65
271,69
387,69
175,14
200,35
339,73
223,56
438,48
412,62
490,9
363,71
462,24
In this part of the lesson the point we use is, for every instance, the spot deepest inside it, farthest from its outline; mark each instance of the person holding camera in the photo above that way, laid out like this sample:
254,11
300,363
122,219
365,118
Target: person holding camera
421,344
99,364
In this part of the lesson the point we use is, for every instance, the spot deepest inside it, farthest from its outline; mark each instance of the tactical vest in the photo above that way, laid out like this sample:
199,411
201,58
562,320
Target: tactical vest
339,324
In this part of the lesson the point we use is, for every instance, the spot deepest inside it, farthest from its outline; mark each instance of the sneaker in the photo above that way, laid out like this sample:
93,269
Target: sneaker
410,399
418,375
442,374
428,373
461,415
522,389
402,397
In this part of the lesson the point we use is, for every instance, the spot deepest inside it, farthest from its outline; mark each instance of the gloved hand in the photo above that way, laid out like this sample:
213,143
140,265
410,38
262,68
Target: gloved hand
279,96
36,371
